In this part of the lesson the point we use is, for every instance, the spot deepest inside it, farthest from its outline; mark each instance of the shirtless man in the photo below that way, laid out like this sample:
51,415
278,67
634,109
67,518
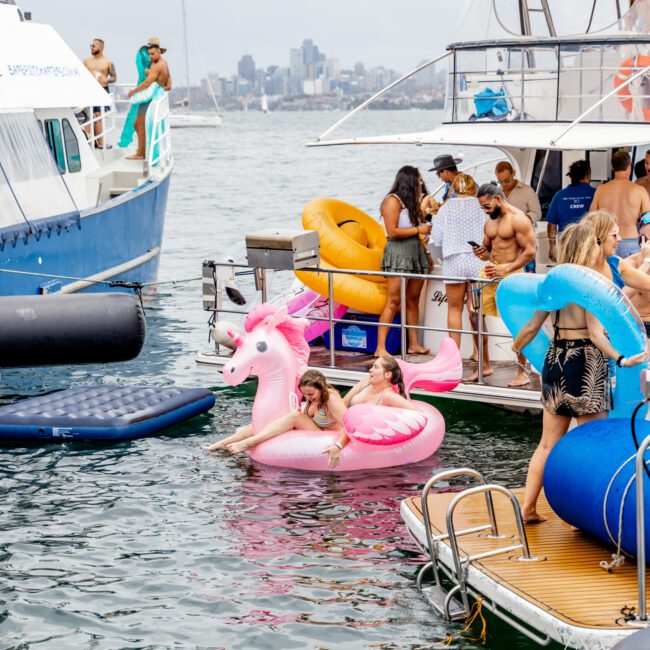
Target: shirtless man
644,181
641,261
626,200
158,72
103,70
509,244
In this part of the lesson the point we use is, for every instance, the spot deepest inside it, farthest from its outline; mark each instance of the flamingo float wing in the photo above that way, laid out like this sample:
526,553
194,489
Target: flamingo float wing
383,425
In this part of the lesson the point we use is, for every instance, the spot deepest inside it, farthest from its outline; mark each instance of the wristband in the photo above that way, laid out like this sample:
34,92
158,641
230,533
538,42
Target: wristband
339,445
619,361
646,260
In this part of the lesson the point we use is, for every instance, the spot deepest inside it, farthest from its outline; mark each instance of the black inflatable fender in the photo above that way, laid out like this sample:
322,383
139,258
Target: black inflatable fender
62,329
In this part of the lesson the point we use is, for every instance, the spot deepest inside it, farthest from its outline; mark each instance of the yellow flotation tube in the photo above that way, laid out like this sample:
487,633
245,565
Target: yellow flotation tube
349,239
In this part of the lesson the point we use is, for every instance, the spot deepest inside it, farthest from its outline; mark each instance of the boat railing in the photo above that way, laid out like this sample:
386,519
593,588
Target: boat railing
159,145
158,151
594,81
551,80
212,303
105,119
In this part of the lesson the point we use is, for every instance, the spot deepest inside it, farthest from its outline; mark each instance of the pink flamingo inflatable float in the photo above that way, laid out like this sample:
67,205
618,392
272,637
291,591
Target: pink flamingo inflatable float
274,349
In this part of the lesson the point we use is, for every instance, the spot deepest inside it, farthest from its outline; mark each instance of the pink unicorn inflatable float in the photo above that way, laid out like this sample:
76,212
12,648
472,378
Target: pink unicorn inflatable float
274,349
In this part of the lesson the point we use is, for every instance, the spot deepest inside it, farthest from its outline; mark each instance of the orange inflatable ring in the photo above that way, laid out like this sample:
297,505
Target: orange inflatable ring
349,239
625,71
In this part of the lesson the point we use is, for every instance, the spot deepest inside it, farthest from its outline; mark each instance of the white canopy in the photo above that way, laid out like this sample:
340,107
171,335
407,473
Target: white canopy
516,134
38,69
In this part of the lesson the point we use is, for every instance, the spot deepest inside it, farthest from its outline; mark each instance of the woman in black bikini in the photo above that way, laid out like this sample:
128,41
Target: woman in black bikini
575,378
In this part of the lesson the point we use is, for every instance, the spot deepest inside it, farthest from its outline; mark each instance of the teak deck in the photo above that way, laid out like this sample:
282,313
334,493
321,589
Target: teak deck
568,584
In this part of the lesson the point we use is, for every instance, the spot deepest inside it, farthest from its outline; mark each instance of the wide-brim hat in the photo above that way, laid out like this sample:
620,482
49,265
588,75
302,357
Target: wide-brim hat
446,161
155,42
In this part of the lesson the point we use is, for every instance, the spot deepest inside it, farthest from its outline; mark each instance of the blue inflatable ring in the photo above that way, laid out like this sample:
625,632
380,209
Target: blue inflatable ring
520,295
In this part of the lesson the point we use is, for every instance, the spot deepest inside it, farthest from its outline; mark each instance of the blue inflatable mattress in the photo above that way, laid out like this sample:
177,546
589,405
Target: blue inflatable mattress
102,413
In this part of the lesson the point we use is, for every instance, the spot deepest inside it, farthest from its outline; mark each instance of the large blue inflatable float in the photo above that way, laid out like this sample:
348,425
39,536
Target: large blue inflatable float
520,295
589,477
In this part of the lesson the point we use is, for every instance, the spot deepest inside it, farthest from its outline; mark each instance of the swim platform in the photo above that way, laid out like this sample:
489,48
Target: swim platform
101,413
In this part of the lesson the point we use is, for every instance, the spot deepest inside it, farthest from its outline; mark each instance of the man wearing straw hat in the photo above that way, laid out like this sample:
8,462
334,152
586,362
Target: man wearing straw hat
158,73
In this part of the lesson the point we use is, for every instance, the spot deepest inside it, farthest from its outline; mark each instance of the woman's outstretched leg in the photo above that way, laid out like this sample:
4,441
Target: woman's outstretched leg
295,420
240,433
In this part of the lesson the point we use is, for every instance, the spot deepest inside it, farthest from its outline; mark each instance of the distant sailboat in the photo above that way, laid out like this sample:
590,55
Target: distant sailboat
186,118
265,104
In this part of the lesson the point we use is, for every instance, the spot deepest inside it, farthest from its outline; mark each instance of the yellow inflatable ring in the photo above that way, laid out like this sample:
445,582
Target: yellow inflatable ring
349,239
333,218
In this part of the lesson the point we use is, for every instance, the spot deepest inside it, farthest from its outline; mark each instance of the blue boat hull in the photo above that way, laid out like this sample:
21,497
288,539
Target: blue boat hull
120,239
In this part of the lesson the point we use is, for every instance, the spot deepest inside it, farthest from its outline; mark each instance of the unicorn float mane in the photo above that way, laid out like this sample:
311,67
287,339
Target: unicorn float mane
293,329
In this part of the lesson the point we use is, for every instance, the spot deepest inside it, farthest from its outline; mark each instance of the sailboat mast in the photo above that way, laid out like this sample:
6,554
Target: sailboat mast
187,57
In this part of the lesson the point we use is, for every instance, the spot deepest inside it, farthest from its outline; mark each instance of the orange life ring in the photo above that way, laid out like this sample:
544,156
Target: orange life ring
625,71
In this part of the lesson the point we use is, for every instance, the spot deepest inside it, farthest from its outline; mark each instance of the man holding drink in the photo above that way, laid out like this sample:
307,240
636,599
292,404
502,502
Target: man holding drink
508,245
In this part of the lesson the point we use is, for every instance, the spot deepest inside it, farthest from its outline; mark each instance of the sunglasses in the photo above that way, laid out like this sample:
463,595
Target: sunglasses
488,206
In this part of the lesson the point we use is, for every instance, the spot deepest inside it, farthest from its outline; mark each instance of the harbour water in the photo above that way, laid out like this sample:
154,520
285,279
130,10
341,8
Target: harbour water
155,543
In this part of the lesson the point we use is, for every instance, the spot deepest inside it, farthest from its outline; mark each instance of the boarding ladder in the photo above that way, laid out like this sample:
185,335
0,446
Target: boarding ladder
445,601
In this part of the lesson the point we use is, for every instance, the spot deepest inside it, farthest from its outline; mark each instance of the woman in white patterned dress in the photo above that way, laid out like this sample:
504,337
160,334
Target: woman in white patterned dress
459,221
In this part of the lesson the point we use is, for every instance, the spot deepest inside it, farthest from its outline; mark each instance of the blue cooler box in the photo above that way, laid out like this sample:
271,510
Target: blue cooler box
362,337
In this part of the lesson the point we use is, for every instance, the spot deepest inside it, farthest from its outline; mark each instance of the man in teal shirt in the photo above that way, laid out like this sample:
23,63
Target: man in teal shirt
571,203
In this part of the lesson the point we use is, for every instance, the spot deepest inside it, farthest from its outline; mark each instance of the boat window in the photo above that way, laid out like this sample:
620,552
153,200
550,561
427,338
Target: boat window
550,83
53,134
551,183
28,172
71,148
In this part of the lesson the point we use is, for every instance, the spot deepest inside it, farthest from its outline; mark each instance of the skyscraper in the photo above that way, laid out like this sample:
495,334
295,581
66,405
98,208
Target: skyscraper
246,68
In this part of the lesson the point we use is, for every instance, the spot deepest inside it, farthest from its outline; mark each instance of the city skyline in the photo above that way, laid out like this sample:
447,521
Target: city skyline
369,31
313,79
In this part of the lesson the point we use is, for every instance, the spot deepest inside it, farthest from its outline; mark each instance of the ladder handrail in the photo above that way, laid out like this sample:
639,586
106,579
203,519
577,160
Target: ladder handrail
442,476
453,541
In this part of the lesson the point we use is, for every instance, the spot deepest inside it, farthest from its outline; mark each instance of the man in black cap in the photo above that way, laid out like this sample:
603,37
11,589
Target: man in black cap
445,168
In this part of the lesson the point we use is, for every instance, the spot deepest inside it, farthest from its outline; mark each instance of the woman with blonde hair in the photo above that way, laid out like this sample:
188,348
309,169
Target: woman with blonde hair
607,263
461,220
575,377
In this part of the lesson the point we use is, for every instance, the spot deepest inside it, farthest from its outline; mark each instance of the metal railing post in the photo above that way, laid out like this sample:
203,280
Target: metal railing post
479,329
402,316
263,283
330,315
640,528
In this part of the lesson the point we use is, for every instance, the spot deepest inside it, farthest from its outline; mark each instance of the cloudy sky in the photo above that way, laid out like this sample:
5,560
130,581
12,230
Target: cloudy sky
377,32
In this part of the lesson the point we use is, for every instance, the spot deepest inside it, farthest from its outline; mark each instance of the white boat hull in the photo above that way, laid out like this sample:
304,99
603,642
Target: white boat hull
187,121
